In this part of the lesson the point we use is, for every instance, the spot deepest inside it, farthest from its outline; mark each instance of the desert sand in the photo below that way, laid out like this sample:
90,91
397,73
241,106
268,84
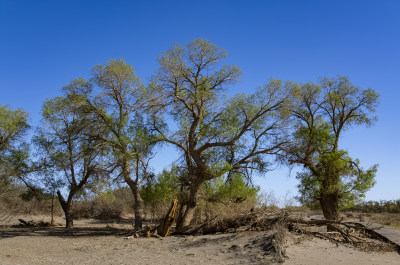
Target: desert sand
99,243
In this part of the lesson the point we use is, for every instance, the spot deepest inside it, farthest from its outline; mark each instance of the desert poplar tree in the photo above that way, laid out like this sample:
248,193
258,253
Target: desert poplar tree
324,111
114,97
216,135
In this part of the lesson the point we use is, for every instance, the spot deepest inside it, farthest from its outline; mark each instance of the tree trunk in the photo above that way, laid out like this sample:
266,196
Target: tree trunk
190,206
139,208
52,209
133,185
181,211
330,207
329,199
69,221
66,206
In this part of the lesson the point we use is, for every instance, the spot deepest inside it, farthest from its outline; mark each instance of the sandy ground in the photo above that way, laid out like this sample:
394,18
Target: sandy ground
97,244
318,251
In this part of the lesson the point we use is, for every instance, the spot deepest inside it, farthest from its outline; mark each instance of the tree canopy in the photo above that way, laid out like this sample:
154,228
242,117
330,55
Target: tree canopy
66,137
14,151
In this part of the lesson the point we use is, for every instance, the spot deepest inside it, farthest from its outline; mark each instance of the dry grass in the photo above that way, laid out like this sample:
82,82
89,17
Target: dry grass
390,219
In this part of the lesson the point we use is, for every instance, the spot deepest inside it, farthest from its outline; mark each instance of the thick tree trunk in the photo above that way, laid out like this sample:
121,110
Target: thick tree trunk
66,207
329,197
69,221
190,204
133,185
181,211
139,208
330,206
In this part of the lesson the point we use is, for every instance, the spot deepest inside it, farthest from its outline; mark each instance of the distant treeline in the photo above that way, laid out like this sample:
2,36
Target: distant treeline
392,206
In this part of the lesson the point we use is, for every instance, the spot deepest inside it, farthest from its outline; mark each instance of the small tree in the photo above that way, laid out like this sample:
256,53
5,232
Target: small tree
323,112
115,108
73,152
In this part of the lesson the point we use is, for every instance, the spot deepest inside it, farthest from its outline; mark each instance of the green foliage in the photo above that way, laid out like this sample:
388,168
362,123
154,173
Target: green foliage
14,152
71,152
164,189
234,190
13,125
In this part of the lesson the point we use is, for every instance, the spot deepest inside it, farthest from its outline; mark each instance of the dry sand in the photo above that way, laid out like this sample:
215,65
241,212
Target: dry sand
102,245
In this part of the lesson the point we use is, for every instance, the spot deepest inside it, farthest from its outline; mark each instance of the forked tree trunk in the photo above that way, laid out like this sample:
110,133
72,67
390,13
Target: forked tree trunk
133,185
190,204
66,207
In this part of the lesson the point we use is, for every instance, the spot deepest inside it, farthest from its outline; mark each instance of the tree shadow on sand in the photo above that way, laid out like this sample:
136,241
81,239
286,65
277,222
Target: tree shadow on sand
64,232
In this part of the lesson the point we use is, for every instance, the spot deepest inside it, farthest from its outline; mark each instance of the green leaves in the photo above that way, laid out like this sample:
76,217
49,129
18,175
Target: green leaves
231,191
14,152
13,125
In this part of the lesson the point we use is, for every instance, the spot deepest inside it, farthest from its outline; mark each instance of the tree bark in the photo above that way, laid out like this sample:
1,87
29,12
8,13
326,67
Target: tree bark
190,206
52,209
329,199
66,206
133,185
330,207
139,208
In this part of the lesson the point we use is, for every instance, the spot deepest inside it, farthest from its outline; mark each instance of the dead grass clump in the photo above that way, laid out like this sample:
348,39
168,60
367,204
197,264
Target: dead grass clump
96,210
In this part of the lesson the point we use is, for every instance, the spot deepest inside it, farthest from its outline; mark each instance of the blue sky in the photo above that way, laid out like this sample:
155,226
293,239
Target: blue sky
45,44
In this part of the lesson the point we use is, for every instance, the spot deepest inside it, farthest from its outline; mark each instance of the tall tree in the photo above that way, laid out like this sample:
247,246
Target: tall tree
215,135
115,102
322,113
73,152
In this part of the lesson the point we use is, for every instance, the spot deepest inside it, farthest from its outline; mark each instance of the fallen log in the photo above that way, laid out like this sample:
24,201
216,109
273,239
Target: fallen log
41,223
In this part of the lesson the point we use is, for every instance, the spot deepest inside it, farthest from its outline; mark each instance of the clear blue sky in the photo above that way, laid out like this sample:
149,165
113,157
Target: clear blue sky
45,44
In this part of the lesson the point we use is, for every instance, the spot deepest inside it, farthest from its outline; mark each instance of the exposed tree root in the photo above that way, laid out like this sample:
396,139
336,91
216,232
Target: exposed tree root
336,231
